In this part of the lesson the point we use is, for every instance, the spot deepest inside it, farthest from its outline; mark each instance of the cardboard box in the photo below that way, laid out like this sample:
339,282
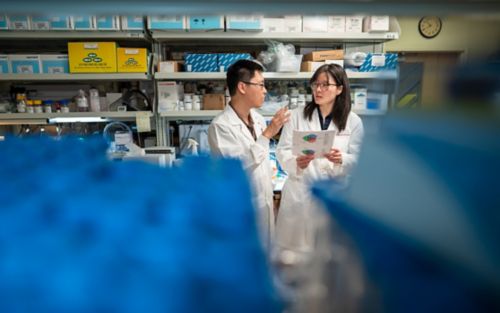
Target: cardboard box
314,24
310,66
60,22
336,24
4,64
338,62
354,24
24,63
244,22
205,22
376,23
213,101
39,22
135,22
132,60
108,22
169,66
225,60
169,94
323,55
92,57
54,63
359,99
379,62
162,22
19,22
199,62
84,22
3,22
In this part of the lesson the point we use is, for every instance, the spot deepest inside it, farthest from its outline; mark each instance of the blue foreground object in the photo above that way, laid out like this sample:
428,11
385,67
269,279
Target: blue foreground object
423,211
79,233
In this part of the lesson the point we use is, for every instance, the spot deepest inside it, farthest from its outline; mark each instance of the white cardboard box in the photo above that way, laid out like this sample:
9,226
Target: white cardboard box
135,22
169,94
293,23
336,24
244,22
315,24
108,22
84,22
354,24
25,63
376,23
273,24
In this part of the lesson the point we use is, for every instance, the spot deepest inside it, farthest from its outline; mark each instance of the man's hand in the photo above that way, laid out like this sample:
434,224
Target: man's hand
278,120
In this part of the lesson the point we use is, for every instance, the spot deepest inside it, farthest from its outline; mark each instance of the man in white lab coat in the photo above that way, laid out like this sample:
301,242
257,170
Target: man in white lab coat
240,132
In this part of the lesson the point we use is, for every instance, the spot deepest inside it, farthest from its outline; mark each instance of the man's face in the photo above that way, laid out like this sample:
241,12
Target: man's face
255,90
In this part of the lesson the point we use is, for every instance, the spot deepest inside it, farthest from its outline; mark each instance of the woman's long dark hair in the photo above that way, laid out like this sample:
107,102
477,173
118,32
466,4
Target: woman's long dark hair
342,105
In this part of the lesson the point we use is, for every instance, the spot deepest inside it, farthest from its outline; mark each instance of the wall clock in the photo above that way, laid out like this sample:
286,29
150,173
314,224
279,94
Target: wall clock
429,26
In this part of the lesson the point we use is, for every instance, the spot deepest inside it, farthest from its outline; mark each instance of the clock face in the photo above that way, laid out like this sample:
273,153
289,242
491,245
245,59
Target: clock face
429,26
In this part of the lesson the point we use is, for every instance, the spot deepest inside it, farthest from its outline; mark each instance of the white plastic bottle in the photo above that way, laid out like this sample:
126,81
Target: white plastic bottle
82,102
95,103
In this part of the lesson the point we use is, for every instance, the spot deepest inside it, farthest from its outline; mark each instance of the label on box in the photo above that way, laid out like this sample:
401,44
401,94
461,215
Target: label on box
132,60
336,24
19,22
378,60
92,57
40,23
143,122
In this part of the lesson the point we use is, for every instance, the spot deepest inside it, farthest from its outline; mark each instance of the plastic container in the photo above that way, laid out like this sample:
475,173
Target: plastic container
64,106
95,102
82,103
196,103
29,106
47,106
37,106
21,102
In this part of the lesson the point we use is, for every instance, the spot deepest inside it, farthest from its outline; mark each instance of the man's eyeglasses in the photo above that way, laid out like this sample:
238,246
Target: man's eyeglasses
261,85
322,86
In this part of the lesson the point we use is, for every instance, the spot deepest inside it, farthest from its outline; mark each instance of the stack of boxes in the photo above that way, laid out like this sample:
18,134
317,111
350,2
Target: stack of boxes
313,60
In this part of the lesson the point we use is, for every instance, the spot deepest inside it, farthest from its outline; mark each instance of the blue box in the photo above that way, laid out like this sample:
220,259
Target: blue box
24,63
84,22
132,22
4,64
19,22
225,60
40,22
108,22
175,23
55,64
379,62
204,22
240,22
3,21
60,22
197,62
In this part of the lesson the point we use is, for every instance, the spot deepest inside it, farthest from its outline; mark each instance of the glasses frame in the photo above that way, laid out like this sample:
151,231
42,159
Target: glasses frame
322,86
261,85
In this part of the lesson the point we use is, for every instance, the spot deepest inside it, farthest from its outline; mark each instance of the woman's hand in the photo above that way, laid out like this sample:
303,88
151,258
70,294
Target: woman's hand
334,156
304,160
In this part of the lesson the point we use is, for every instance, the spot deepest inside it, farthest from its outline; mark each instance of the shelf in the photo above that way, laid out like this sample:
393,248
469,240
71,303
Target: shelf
72,34
74,77
43,118
271,75
160,35
209,114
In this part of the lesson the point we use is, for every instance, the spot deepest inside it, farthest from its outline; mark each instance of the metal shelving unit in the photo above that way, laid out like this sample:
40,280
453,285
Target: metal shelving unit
75,77
45,118
73,34
235,36
271,75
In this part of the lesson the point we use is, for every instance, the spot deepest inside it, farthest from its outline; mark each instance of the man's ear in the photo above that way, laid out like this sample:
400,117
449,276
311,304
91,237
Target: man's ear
242,88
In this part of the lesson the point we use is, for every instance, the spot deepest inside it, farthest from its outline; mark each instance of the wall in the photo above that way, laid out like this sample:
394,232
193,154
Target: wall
476,36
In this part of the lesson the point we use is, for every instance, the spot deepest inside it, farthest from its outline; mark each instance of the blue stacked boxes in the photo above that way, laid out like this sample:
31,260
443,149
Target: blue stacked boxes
197,62
4,64
203,22
379,62
227,59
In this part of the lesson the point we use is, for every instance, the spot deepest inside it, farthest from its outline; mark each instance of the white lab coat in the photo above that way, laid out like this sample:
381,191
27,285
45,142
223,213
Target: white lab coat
296,225
228,136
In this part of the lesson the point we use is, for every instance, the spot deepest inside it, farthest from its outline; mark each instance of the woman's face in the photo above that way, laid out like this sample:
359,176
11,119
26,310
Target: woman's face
325,89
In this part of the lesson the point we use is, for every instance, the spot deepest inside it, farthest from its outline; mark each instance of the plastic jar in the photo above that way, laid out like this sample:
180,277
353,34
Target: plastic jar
29,106
64,106
47,106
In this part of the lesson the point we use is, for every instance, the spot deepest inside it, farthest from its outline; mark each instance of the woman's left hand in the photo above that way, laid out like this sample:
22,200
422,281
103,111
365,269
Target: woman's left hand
334,156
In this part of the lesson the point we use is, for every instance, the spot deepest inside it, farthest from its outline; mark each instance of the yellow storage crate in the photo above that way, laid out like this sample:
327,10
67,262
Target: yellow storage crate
132,60
92,57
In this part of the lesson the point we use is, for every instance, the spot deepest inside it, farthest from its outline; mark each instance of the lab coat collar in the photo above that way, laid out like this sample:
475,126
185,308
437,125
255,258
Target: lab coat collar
314,122
235,120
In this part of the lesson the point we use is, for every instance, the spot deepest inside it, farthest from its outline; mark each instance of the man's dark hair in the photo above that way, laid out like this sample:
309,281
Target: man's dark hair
241,71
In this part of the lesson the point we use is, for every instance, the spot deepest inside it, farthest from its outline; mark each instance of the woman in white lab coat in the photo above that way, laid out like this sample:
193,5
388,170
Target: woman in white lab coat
330,110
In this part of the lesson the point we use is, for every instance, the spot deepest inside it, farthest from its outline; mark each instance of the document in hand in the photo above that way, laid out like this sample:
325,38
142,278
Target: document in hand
312,142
